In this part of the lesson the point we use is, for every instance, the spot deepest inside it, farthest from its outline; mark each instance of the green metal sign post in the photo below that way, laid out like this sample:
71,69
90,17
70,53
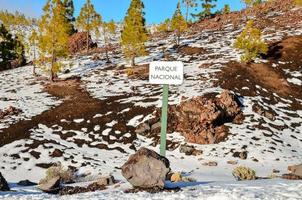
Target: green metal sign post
165,73
164,119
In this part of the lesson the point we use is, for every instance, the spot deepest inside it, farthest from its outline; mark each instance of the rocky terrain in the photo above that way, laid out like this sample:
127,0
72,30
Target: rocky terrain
225,114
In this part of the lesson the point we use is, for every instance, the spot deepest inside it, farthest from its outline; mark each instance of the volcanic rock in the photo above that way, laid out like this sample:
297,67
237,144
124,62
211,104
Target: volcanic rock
146,169
296,169
69,190
3,184
78,42
51,185
201,120
106,180
9,111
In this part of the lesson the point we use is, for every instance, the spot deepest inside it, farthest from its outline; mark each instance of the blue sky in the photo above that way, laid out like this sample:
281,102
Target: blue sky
156,10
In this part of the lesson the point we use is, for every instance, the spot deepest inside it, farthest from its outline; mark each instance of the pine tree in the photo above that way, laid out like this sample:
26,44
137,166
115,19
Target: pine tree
19,50
69,14
134,33
109,28
207,6
33,40
226,9
250,42
178,24
189,4
89,20
6,48
10,49
53,39
16,18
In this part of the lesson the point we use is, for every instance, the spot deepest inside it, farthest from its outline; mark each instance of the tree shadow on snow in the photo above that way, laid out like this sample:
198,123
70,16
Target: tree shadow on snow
171,185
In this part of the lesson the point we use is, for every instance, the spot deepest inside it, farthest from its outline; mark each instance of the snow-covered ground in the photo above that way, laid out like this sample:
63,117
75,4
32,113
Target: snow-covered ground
204,190
20,89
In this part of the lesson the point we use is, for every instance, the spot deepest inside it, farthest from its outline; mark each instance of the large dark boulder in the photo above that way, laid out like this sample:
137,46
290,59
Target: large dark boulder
146,169
78,43
3,184
201,119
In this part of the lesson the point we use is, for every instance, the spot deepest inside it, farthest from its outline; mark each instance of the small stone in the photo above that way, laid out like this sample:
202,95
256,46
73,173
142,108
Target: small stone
243,155
232,162
142,128
107,180
156,126
189,150
211,163
56,153
176,177
276,171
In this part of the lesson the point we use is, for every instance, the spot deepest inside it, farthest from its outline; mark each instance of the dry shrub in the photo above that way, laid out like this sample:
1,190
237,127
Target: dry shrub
244,173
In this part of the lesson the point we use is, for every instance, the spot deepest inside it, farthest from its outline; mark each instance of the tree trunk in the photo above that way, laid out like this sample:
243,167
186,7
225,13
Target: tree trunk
34,64
178,37
87,42
106,46
107,56
133,61
52,73
187,12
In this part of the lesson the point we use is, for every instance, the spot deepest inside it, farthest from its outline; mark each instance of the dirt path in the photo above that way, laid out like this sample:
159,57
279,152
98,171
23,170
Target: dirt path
77,104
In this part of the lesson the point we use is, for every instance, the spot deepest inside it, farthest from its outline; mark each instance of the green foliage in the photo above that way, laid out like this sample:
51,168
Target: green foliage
189,4
250,42
164,27
178,24
134,33
53,29
89,20
108,28
69,15
251,3
207,6
298,2
226,9
244,173
9,19
11,49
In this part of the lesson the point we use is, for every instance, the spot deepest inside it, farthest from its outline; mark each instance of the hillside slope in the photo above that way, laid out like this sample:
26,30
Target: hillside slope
89,122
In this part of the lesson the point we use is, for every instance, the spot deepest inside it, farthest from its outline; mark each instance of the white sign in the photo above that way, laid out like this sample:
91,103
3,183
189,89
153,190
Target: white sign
166,72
